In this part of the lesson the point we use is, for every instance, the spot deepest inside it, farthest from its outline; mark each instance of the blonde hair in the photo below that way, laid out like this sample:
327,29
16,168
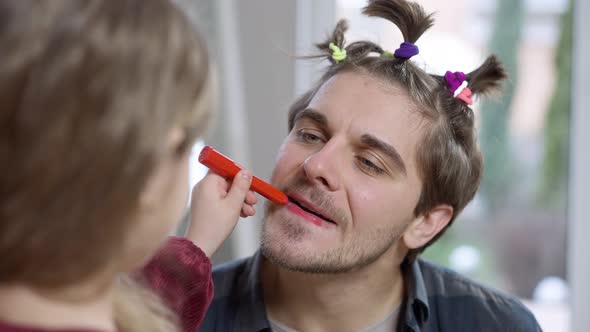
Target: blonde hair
89,89
136,308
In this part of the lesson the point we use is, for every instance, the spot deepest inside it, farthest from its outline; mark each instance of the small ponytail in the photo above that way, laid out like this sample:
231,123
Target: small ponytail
336,38
409,17
487,79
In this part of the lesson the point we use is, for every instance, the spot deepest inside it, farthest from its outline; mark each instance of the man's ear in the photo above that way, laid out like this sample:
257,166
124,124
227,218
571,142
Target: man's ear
427,225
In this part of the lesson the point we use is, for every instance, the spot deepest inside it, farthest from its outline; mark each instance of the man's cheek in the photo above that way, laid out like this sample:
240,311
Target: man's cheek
283,166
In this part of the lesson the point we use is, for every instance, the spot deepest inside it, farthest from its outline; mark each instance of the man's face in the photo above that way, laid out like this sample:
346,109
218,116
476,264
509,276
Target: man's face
348,167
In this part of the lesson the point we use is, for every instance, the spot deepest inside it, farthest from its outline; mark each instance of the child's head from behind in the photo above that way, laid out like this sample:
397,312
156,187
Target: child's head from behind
100,102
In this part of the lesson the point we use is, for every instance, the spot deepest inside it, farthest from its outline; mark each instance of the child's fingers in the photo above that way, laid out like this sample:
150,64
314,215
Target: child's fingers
213,181
239,188
247,211
251,198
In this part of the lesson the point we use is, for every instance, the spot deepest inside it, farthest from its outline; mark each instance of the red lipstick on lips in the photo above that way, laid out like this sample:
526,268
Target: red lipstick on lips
227,168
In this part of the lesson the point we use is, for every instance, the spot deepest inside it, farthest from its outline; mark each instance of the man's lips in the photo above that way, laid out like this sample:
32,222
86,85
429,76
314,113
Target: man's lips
310,208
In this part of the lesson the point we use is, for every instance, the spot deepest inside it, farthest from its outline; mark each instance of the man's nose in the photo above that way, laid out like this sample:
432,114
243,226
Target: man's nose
321,168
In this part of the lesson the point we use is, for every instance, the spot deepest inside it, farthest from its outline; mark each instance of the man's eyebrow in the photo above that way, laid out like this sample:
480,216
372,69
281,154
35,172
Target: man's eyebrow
313,115
385,148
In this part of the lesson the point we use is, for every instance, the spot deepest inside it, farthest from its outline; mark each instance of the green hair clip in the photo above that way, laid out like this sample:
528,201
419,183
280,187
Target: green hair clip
387,54
338,54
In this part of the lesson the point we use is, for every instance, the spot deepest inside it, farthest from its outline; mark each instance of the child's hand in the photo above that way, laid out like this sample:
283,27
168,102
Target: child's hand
215,207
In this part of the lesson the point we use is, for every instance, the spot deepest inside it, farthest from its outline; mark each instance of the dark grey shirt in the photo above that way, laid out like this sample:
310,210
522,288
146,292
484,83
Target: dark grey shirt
439,300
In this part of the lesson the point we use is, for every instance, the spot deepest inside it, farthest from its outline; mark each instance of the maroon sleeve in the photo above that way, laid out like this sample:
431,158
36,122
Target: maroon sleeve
180,273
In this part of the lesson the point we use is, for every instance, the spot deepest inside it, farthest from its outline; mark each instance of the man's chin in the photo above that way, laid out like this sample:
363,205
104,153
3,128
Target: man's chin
304,260
303,256
289,262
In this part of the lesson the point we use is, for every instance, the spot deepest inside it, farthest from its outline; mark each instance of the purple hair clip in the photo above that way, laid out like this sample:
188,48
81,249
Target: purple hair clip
406,50
457,82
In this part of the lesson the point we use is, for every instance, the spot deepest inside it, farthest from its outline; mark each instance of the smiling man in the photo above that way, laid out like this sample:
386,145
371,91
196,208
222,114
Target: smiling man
381,157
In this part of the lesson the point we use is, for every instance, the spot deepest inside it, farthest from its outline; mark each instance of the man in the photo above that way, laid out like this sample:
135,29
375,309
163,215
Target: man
380,159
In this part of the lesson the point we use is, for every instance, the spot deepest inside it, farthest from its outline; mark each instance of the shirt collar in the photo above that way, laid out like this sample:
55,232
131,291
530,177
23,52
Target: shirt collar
417,310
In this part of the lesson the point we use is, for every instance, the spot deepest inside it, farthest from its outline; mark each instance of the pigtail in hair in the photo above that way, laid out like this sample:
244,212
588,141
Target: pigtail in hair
333,47
335,50
409,17
487,79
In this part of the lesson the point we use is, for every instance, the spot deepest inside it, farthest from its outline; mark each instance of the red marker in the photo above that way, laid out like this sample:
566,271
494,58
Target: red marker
225,167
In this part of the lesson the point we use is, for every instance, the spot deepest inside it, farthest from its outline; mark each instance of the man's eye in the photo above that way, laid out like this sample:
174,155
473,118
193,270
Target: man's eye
370,166
309,137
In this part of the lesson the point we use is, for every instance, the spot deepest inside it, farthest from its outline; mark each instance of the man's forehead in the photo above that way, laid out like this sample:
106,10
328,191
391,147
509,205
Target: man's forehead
360,95
363,84
363,105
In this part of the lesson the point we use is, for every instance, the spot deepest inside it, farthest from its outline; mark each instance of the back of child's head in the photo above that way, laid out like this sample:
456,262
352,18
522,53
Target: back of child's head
89,91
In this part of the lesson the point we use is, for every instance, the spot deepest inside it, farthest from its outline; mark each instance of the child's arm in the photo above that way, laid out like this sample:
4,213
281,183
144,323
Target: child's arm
180,272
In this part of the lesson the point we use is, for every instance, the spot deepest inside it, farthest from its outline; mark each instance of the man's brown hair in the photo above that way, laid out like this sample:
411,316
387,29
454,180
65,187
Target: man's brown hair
448,156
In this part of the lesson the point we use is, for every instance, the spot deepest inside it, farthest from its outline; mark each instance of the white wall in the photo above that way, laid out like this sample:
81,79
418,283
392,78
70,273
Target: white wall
579,200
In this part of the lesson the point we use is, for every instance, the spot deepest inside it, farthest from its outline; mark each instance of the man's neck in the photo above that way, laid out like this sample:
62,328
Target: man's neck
25,306
333,302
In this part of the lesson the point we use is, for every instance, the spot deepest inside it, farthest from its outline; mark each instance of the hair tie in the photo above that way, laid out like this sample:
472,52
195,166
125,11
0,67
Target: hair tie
338,54
457,82
387,54
406,50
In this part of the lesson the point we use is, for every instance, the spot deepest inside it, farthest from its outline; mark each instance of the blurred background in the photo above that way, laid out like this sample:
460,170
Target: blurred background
524,231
